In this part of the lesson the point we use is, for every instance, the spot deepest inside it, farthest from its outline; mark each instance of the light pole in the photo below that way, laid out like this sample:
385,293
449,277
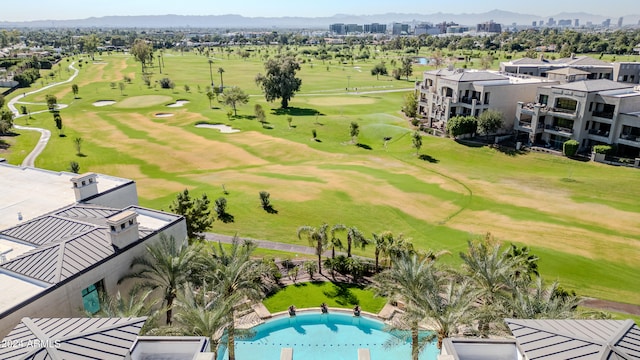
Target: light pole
348,78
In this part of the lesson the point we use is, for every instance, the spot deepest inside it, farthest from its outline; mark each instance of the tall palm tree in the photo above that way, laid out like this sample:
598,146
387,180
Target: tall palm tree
235,277
335,242
380,243
318,238
354,236
490,269
211,72
220,71
202,314
166,266
408,279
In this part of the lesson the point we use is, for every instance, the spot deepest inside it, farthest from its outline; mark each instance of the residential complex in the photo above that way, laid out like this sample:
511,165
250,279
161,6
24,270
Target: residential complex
64,238
597,69
446,93
592,112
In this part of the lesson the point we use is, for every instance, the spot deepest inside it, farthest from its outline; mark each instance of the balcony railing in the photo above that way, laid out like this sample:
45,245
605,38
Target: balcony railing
634,138
599,132
559,129
469,100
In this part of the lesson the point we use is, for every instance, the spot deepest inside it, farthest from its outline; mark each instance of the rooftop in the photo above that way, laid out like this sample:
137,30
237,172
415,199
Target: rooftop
29,192
593,85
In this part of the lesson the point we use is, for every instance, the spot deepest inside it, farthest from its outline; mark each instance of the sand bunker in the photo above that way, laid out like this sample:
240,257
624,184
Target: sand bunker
225,129
100,103
178,103
163,115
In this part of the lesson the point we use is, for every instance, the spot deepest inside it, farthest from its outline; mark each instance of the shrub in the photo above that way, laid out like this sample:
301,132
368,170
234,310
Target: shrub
602,149
570,147
166,83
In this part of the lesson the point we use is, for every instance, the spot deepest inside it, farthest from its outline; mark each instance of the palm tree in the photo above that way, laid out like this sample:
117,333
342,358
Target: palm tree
202,314
317,238
137,304
490,269
165,266
335,242
235,277
211,72
538,302
220,71
354,237
407,280
380,242
397,246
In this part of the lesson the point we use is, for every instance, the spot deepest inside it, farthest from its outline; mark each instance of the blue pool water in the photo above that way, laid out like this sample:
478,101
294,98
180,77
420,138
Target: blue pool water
315,336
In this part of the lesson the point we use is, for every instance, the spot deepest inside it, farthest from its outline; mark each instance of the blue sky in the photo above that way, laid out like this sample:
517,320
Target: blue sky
74,9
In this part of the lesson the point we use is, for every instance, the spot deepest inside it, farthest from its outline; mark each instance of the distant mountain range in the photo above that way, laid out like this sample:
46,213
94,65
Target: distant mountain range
241,22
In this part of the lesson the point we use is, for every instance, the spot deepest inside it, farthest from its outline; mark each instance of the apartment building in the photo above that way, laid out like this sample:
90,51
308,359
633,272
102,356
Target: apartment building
590,111
446,93
597,69
64,238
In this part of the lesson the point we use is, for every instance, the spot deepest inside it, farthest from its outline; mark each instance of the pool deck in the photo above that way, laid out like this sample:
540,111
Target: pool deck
388,314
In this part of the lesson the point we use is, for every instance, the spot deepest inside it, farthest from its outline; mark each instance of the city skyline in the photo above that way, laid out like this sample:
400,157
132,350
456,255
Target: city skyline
73,9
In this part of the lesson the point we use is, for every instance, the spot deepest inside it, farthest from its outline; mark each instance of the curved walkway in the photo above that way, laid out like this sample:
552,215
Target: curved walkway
45,134
599,304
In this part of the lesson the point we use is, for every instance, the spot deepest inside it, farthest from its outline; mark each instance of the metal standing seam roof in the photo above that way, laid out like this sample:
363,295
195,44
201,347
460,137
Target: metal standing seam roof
71,338
577,339
593,85
43,230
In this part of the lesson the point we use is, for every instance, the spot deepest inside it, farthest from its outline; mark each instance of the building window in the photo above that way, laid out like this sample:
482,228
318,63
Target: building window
91,297
544,99
625,78
566,104
486,98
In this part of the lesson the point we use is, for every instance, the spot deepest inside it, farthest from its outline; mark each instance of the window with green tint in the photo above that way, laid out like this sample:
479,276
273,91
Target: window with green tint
91,297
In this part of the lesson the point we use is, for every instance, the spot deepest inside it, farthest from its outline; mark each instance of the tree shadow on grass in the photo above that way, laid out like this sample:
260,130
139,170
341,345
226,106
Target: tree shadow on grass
295,111
429,158
226,218
341,293
269,209
245,117
364,146
508,150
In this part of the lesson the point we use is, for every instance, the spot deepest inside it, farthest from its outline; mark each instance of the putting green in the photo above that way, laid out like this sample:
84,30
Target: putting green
143,101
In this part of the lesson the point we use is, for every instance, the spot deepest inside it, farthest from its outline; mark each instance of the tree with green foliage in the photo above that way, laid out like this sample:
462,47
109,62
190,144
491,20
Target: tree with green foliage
6,120
379,69
138,302
410,105
318,238
142,51
52,101
165,266
354,131
58,120
354,236
490,121
460,125
259,113
235,277
280,81
77,143
75,90
416,139
233,97
210,96
196,213
2,100
74,167
220,71
407,67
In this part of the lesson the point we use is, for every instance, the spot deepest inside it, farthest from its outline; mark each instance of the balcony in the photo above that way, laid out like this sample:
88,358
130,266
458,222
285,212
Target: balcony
602,114
558,130
632,138
604,133
469,100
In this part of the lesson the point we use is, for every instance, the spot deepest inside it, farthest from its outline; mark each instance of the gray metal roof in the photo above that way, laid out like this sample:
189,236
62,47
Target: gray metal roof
577,339
71,338
475,76
593,85
46,229
88,213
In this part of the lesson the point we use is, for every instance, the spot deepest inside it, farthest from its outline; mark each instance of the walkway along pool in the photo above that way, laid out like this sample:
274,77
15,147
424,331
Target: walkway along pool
316,336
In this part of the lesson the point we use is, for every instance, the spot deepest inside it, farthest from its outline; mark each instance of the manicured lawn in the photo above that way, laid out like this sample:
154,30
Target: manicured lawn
312,294
582,219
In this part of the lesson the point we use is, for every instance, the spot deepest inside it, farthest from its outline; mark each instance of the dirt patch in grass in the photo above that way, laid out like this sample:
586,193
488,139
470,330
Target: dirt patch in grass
343,100
281,149
174,149
143,101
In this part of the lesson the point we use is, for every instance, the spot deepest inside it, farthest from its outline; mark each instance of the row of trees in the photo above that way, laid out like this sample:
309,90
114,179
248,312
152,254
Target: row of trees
494,283
486,123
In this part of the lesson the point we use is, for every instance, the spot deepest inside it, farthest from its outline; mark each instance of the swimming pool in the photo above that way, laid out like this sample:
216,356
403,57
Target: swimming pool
316,336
